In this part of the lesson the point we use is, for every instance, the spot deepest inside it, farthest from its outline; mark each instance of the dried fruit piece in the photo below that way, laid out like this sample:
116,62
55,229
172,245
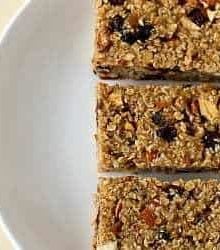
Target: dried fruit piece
116,228
163,234
148,216
158,119
209,110
168,133
173,190
152,155
211,139
128,37
116,2
133,20
182,2
144,32
111,245
116,23
197,16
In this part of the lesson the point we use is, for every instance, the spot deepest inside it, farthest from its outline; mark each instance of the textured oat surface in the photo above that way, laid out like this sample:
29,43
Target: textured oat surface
138,38
140,214
156,126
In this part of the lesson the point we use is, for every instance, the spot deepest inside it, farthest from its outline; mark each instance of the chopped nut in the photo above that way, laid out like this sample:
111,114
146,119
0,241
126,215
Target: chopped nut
115,98
111,245
209,110
103,43
211,14
188,24
129,57
128,126
118,209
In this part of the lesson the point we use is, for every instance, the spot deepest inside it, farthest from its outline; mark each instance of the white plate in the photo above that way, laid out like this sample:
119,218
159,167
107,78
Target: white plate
47,158
47,123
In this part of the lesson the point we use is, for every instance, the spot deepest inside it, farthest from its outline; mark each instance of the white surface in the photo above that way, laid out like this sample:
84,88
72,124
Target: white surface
47,158
47,121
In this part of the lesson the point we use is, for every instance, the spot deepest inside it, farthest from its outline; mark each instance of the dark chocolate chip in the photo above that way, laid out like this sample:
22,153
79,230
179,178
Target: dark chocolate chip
144,32
197,16
116,2
128,37
168,133
158,119
211,139
116,23
163,234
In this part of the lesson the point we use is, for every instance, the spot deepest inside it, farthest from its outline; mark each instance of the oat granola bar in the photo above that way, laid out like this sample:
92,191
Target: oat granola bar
173,127
140,214
165,39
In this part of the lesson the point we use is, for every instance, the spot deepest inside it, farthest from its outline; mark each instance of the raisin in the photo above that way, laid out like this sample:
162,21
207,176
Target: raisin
197,16
128,37
168,133
116,23
190,129
173,190
181,2
163,234
125,108
158,119
144,32
211,139
116,2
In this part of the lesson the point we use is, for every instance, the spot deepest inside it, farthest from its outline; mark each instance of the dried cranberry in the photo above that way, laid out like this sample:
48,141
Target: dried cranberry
197,16
128,37
168,133
158,119
116,2
116,23
144,32
211,139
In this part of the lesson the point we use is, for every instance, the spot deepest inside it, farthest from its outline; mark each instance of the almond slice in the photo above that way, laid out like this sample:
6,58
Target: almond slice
209,110
111,245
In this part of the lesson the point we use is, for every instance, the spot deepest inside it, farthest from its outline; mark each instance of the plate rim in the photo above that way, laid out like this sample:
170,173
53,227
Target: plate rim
4,34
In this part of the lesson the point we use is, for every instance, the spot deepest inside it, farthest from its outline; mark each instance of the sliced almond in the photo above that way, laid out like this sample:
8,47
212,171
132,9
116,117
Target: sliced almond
209,110
211,14
111,245
188,24
128,126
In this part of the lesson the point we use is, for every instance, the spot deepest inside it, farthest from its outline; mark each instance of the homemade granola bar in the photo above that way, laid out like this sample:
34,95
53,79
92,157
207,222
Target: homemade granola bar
140,214
173,127
158,39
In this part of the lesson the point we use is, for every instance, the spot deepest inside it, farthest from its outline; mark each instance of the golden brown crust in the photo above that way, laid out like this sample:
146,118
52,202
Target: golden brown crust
144,213
160,39
156,126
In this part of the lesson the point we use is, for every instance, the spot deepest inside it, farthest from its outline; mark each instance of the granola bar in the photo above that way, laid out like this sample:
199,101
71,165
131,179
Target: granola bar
140,214
173,127
151,39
